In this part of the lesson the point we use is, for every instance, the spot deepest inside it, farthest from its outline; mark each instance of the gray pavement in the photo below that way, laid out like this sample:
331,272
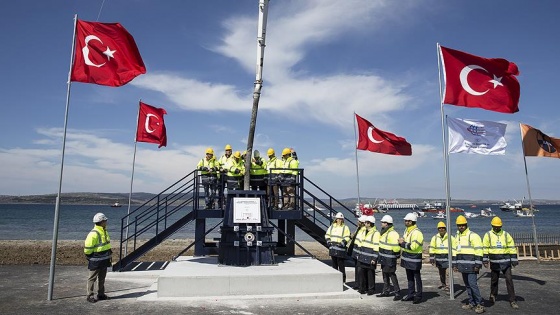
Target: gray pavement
23,290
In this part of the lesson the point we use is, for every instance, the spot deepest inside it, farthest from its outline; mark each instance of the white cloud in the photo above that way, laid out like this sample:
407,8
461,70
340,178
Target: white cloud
295,28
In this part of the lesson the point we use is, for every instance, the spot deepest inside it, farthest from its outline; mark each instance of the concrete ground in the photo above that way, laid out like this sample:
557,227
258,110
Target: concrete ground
23,290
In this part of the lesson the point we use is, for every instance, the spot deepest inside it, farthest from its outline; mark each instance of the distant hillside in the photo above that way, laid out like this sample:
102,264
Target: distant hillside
87,198
80,198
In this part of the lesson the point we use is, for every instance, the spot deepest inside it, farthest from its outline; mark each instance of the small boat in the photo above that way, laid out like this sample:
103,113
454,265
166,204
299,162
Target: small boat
116,205
440,215
471,215
317,208
524,214
506,206
420,214
487,213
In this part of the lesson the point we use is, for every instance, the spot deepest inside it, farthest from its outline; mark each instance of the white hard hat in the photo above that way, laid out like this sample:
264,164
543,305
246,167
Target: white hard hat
387,219
362,218
99,217
371,219
339,215
411,216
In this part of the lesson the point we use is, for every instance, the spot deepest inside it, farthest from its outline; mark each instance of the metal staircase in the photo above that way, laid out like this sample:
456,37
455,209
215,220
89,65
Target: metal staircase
160,217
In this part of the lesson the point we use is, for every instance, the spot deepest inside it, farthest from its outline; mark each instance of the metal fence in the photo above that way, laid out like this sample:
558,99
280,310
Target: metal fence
528,238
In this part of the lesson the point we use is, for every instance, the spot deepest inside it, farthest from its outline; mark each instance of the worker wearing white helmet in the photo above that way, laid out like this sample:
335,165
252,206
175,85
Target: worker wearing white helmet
389,252
354,247
97,248
337,237
367,260
411,258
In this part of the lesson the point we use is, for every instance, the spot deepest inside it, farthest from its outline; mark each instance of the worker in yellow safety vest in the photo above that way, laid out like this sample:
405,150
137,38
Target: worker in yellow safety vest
467,259
411,257
208,168
389,252
289,174
273,165
235,169
500,252
337,237
222,182
439,253
367,258
258,172
354,248
97,248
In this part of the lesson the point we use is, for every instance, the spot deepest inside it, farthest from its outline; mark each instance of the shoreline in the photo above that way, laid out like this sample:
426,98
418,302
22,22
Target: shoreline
70,252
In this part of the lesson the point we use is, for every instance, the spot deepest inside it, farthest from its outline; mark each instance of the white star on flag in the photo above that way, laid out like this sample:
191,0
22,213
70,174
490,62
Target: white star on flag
109,53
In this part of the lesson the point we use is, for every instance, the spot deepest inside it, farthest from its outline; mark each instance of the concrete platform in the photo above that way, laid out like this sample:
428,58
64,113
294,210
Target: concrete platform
203,276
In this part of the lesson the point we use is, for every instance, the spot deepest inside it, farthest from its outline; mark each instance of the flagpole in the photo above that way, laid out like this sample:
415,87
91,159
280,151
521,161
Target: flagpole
131,181
530,199
356,154
446,172
57,204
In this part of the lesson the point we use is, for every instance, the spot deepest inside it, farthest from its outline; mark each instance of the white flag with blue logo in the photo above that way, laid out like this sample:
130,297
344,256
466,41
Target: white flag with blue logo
476,136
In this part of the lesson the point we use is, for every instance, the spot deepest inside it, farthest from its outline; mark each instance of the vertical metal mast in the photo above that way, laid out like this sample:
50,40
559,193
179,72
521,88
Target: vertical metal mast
263,14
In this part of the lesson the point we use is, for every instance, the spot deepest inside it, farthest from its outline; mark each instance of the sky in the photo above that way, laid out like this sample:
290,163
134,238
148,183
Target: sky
324,60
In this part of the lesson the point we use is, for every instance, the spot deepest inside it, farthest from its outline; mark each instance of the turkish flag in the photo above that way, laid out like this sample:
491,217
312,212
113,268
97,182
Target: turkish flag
151,127
536,143
376,140
106,54
474,81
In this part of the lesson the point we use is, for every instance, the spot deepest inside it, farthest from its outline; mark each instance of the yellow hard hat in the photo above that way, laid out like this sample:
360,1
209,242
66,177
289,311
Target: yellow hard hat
237,154
461,220
270,152
286,151
496,221
209,151
441,224
228,147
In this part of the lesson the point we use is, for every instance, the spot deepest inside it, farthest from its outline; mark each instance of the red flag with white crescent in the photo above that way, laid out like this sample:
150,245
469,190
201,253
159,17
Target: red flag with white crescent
151,127
106,54
487,83
376,140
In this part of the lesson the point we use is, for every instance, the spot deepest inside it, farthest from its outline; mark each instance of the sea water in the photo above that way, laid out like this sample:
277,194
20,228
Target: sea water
36,222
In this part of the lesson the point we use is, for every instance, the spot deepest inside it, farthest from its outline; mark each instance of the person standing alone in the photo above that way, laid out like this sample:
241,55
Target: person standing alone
500,250
97,249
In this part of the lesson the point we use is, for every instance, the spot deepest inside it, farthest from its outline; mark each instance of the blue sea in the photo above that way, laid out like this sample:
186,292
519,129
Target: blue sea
35,222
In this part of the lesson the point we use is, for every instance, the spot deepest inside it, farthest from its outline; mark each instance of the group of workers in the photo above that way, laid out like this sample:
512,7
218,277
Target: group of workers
369,246
269,175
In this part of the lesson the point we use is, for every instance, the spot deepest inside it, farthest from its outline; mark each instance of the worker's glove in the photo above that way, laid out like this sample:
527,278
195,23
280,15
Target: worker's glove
294,155
236,171
205,169
343,243
329,244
